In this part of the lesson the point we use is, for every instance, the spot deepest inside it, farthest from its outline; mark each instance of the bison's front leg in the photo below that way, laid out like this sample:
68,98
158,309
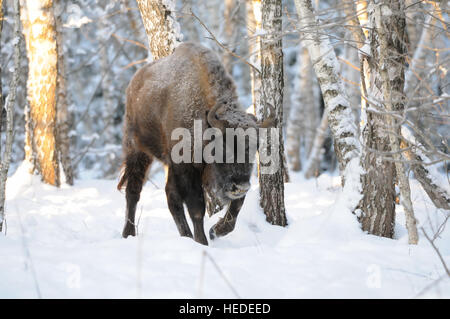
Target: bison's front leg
226,224
196,207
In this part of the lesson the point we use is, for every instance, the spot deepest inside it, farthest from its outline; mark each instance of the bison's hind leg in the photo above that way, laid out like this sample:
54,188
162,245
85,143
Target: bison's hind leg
133,178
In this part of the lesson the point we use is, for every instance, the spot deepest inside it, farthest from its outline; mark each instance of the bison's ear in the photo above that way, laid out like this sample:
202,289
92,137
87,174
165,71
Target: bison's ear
253,116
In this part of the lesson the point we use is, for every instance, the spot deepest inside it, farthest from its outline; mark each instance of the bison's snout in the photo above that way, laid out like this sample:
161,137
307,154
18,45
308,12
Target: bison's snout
238,190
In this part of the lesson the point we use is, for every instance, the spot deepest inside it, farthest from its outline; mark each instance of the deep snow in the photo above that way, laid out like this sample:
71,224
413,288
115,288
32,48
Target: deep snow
66,243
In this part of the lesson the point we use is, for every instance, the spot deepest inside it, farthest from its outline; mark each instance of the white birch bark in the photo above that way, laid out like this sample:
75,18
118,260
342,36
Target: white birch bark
418,59
161,26
340,116
304,108
378,202
6,156
392,74
427,176
312,165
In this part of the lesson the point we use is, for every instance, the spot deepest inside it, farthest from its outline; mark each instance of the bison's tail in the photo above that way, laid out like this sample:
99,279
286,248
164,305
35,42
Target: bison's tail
134,170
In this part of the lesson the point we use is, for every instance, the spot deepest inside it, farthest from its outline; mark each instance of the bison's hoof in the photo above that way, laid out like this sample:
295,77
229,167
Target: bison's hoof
202,240
129,230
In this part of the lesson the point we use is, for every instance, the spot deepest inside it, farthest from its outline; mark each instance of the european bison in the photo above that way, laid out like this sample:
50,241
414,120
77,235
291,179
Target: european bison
170,93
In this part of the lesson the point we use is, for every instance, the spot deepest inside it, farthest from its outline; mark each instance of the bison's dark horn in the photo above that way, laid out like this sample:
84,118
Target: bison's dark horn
214,121
270,121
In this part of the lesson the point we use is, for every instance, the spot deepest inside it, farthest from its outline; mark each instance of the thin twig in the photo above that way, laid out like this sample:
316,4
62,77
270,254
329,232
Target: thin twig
202,269
223,47
437,251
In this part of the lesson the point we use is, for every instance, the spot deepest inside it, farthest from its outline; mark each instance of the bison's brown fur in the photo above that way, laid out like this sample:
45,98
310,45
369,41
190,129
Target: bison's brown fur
171,93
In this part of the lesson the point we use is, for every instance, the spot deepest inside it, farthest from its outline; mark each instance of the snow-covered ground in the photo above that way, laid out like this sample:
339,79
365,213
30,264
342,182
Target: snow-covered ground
66,243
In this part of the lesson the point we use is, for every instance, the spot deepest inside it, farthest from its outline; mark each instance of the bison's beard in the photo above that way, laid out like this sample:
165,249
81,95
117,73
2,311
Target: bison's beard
214,203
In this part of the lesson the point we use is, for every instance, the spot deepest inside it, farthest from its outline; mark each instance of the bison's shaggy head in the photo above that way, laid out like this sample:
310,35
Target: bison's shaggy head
230,179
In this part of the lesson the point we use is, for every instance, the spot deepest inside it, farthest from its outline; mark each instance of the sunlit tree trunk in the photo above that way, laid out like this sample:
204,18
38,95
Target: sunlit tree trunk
40,35
63,115
161,26
5,156
272,185
363,16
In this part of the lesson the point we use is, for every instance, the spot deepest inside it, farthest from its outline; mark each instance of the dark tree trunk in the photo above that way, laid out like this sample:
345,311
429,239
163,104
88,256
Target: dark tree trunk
378,203
272,185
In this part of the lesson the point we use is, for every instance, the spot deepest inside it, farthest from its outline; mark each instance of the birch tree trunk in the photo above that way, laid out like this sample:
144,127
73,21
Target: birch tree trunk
391,28
6,155
426,177
2,182
312,165
254,24
272,185
418,60
63,115
161,26
378,202
1,86
340,116
413,22
40,35
304,109
109,101
351,70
